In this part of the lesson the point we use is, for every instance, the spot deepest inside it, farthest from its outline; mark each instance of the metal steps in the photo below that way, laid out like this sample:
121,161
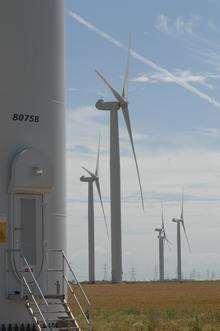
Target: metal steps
57,314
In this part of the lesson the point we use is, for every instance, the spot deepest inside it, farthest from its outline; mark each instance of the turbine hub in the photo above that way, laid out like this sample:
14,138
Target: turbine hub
124,104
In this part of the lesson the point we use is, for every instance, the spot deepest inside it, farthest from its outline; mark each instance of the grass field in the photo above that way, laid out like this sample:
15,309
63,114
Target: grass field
187,306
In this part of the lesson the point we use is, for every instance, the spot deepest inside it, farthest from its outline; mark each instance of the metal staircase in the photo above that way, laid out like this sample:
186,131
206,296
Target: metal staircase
51,310
55,315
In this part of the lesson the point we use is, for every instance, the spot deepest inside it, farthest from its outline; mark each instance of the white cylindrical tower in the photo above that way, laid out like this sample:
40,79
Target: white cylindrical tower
32,144
179,262
161,257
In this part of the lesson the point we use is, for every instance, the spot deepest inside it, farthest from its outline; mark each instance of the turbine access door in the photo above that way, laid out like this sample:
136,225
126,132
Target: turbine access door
31,180
28,228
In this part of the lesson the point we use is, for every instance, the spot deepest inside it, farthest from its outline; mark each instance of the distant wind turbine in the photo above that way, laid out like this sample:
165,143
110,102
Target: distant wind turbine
93,177
180,221
115,182
162,239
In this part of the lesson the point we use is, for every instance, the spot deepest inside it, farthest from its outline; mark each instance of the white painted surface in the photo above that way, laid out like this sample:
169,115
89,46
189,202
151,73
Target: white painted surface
32,77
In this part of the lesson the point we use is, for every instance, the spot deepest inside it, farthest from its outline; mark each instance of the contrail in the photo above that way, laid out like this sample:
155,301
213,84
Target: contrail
144,60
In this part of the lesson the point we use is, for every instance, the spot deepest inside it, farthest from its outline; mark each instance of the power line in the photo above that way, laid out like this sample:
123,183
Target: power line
105,275
133,275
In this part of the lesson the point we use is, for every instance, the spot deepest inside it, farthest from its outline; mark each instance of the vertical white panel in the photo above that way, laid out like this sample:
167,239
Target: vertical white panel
32,76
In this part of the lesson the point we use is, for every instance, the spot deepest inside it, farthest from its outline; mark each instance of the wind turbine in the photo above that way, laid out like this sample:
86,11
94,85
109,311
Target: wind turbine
93,178
115,182
179,222
162,239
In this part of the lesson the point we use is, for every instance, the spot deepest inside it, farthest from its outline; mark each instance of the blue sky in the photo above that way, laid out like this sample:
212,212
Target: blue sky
176,133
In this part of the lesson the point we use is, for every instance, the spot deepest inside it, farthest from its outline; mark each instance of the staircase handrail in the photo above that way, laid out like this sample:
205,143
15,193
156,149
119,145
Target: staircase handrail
34,279
35,301
72,272
87,319
76,279
78,303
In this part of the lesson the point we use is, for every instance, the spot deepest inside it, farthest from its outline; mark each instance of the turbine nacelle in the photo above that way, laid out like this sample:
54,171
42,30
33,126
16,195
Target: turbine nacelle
85,179
93,176
121,98
107,105
176,220
161,233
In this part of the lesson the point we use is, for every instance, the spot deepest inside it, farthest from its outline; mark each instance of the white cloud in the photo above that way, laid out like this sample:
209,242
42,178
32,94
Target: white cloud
185,76
212,26
186,26
141,78
212,58
83,127
162,23
178,25
212,132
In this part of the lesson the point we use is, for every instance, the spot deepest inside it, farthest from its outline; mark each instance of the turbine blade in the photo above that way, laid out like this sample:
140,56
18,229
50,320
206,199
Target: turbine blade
126,76
89,172
168,243
181,216
128,124
97,161
187,239
162,218
103,211
165,236
118,97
